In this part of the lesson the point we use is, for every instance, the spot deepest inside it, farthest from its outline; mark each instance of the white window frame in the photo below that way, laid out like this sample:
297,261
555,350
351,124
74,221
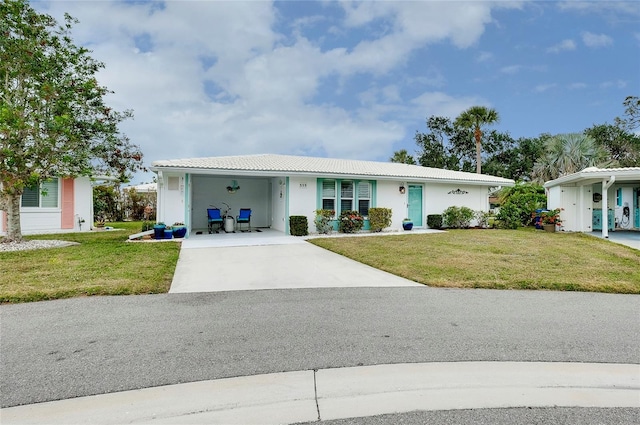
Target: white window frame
49,186
346,197
364,197
328,196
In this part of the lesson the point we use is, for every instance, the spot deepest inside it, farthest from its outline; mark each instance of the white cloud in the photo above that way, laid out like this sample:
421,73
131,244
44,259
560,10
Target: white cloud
596,40
511,69
540,88
484,57
221,78
577,86
564,45
620,84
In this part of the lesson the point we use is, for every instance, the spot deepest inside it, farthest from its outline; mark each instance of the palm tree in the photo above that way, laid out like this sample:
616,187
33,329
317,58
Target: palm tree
403,157
474,118
570,153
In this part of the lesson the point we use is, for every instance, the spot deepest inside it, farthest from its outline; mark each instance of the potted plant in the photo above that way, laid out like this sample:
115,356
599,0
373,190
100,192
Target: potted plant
158,230
168,232
550,219
179,229
407,224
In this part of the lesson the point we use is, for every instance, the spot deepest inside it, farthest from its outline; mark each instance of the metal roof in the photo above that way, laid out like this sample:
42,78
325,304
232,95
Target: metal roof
593,174
275,165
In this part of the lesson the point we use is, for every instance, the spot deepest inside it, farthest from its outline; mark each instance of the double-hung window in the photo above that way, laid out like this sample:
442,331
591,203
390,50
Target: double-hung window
44,196
364,198
346,195
329,195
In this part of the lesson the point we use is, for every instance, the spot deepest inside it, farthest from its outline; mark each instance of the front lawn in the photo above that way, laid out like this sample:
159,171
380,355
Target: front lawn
103,264
500,259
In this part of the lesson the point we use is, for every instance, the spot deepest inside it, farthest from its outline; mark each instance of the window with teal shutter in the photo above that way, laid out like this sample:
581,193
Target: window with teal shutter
329,195
364,198
346,196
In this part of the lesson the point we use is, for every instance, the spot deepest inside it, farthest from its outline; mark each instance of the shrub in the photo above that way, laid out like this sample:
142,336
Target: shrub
434,221
379,218
509,217
298,225
323,221
458,217
147,225
350,221
482,217
521,202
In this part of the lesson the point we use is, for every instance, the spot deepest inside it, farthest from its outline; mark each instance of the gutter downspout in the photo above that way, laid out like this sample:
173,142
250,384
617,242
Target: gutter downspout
605,203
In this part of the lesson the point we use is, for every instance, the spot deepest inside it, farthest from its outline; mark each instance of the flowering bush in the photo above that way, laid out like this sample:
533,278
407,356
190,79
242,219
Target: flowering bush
350,221
323,221
551,217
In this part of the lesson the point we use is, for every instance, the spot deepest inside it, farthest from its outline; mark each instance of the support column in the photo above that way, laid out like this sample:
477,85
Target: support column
605,205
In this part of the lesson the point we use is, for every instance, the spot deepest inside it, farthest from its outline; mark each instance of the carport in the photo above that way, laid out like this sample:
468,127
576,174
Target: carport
230,193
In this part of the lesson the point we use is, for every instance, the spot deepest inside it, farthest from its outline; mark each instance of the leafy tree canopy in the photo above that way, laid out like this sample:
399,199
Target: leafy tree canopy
54,121
403,157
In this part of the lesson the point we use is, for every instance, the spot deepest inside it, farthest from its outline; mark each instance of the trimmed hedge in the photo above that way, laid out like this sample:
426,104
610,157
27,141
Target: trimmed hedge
298,225
379,218
434,221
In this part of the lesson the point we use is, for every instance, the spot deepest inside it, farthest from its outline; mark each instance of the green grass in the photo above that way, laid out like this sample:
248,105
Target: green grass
103,264
500,259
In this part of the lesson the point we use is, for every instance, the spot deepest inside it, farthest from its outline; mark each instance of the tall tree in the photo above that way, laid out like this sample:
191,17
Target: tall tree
570,153
631,120
517,158
475,118
403,157
54,121
622,145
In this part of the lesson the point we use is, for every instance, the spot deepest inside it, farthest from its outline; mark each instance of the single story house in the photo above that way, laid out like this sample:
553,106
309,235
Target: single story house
597,199
276,187
67,206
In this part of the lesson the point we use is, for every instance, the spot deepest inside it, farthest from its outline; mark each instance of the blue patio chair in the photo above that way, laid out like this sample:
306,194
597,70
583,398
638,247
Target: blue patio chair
214,218
244,217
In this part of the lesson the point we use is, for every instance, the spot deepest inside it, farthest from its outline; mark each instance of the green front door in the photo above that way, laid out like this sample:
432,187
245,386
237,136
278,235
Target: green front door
415,204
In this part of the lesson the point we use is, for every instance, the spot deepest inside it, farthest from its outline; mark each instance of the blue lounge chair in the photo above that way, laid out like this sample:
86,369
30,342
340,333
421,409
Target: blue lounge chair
214,218
244,217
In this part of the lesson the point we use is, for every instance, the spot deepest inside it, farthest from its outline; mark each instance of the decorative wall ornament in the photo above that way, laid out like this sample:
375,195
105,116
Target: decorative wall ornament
234,187
458,192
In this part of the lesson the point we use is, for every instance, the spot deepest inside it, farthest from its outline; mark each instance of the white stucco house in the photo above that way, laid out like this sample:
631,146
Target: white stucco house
597,199
67,206
276,187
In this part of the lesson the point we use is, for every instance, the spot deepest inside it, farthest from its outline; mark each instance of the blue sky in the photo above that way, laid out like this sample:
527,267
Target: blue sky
352,79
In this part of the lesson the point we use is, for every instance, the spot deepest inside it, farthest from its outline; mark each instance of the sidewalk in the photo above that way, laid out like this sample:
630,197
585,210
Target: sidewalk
306,396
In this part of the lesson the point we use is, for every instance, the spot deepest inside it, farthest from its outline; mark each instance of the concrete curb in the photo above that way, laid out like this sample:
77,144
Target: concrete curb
306,396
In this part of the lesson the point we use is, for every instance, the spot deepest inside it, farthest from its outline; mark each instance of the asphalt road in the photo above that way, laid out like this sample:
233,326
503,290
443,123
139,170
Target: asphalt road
68,348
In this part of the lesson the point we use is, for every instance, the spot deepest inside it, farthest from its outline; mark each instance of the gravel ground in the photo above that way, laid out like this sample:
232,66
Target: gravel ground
35,244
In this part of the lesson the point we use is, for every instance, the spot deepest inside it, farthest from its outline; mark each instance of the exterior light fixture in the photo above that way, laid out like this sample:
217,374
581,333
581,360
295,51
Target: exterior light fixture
402,189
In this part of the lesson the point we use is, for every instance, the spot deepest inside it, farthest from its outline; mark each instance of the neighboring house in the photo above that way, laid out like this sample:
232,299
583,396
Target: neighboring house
276,187
66,207
584,196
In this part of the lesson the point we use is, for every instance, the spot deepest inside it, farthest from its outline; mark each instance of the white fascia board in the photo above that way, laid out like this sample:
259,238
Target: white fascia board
271,173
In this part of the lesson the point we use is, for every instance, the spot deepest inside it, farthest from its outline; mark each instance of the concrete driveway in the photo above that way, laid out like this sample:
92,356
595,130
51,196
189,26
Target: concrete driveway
268,260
